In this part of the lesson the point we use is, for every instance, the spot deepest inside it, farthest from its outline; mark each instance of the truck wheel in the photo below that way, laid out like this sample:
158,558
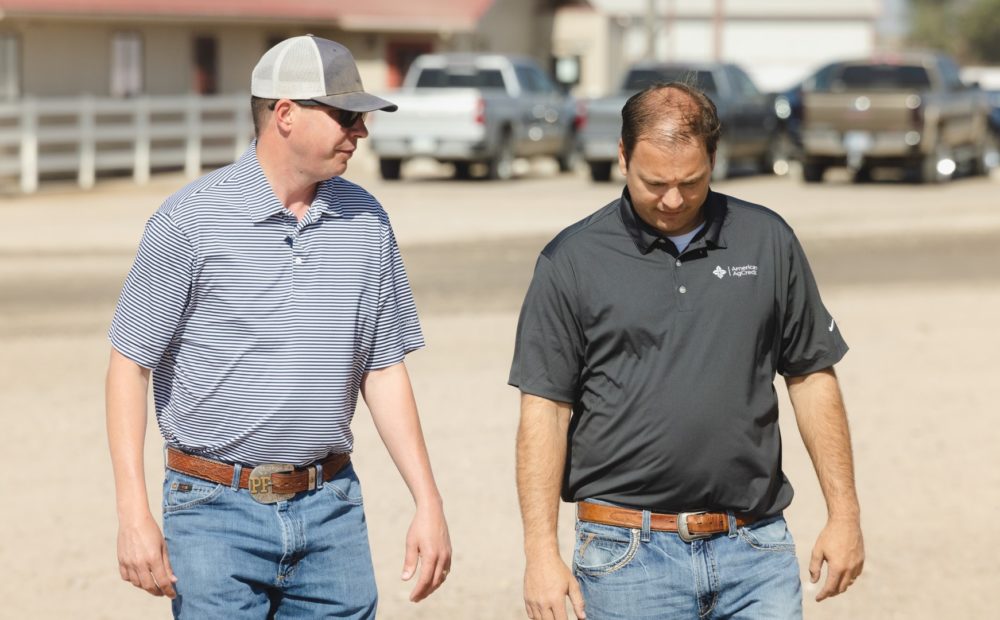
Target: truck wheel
600,171
390,169
720,171
568,157
463,170
988,157
501,165
812,171
937,166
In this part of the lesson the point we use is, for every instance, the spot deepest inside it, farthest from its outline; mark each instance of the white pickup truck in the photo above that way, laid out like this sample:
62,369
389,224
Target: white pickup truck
468,109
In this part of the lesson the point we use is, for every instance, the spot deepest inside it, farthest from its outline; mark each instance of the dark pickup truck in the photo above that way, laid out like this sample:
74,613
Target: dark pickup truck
748,120
909,111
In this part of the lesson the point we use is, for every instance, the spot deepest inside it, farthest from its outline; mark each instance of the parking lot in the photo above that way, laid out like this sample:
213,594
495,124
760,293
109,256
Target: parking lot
911,272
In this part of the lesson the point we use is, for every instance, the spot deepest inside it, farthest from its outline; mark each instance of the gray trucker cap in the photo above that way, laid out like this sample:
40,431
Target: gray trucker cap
309,67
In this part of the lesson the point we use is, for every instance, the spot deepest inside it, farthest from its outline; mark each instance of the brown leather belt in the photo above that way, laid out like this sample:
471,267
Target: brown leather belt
688,525
267,483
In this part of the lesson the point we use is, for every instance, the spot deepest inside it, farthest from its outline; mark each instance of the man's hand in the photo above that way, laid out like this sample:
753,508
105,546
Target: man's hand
841,546
547,583
142,558
427,540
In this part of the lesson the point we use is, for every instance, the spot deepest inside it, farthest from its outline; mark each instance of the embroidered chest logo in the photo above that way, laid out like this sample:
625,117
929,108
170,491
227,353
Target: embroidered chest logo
735,271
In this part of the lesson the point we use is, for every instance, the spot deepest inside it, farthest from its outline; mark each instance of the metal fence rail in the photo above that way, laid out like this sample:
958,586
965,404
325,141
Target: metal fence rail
86,136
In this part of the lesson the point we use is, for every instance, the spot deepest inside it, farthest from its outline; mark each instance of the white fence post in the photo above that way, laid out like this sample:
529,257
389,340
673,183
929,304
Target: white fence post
29,145
244,126
192,121
141,165
88,142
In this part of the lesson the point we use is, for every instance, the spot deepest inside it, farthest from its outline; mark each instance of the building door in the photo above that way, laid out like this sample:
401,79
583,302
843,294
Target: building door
401,55
126,64
10,67
205,66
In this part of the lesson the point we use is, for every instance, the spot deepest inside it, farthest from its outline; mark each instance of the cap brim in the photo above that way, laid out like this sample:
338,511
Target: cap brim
357,102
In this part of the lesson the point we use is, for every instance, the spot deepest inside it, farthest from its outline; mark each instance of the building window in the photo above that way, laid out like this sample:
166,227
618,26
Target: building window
400,55
205,66
10,67
126,64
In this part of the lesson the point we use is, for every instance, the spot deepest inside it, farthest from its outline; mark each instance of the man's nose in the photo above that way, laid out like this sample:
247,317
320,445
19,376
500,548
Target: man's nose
672,199
360,129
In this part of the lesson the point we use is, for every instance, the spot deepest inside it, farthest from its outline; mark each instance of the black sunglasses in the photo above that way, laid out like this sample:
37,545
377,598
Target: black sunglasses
346,118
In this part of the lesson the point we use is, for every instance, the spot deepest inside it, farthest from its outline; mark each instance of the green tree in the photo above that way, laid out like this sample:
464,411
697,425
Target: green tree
981,31
967,29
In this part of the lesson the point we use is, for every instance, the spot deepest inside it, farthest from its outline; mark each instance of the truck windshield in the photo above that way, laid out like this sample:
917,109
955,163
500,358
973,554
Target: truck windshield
639,79
884,77
459,78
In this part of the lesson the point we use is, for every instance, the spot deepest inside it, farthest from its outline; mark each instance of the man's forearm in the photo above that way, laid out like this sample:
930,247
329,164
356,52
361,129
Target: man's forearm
541,461
389,397
126,391
822,420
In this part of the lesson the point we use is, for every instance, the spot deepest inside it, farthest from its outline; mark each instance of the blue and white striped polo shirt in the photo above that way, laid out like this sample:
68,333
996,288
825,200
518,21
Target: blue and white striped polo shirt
260,327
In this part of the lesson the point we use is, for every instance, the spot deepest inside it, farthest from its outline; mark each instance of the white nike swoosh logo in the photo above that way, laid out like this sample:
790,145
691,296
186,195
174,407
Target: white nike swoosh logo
832,323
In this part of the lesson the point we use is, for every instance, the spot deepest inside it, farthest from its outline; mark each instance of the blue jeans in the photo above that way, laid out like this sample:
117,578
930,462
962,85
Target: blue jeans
749,573
307,557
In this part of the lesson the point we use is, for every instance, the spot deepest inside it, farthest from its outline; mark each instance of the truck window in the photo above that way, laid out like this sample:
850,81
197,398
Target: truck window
638,79
883,77
460,78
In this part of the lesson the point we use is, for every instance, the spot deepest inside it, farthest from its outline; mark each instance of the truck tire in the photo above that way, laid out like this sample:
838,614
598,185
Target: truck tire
931,170
390,169
570,155
600,171
463,170
812,171
988,155
501,166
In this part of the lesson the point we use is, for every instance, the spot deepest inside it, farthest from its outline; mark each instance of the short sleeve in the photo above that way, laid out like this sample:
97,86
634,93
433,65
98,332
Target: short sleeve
155,294
397,327
810,337
548,347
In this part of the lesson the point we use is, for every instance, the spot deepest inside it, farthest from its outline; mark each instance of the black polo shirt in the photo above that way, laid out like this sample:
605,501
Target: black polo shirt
669,358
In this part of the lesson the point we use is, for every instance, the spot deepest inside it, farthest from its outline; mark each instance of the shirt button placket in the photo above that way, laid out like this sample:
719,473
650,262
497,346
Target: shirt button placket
682,289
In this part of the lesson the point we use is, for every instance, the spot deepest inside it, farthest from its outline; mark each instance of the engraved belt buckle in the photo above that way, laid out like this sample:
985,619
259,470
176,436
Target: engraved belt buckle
260,485
682,527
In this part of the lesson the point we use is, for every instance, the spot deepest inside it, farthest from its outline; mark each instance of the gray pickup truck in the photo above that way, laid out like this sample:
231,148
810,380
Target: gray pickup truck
909,111
469,109
748,120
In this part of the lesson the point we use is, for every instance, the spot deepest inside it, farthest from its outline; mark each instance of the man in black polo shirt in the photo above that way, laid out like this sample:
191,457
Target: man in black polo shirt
646,353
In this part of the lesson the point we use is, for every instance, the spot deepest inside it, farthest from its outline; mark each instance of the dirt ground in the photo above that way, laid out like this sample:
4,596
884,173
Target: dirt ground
911,273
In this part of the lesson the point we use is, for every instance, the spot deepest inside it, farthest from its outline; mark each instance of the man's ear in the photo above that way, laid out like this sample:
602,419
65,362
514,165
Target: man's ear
622,160
284,114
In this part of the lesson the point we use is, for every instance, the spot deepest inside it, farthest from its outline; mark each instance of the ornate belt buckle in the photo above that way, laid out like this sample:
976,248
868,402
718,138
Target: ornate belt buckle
682,527
260,485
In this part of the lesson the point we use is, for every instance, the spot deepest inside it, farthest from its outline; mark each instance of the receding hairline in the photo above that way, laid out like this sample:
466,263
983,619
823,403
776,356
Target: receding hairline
675,109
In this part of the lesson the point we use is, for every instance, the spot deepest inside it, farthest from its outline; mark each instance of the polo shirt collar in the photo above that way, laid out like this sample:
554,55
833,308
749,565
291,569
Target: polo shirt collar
260,199
646,237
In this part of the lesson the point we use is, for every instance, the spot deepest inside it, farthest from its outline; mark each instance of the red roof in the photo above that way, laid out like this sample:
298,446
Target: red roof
348,14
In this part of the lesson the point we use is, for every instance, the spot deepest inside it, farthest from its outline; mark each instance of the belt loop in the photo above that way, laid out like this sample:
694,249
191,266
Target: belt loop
645,526
237,474
319,475
732,524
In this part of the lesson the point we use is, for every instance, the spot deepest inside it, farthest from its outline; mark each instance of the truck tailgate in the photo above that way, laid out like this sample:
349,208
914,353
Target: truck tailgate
861,111
441,114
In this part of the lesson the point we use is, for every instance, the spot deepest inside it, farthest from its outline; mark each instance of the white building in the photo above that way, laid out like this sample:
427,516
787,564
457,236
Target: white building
777,41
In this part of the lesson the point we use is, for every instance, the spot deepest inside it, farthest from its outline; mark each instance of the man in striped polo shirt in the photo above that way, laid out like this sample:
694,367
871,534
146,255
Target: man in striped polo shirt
263,298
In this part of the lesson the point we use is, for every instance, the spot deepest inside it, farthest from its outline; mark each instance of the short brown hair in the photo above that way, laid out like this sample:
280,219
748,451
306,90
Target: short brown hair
260,108
692,110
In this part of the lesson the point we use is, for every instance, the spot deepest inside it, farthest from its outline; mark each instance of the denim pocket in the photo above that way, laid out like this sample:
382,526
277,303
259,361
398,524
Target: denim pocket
769,536
346,486
603,549
181,492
